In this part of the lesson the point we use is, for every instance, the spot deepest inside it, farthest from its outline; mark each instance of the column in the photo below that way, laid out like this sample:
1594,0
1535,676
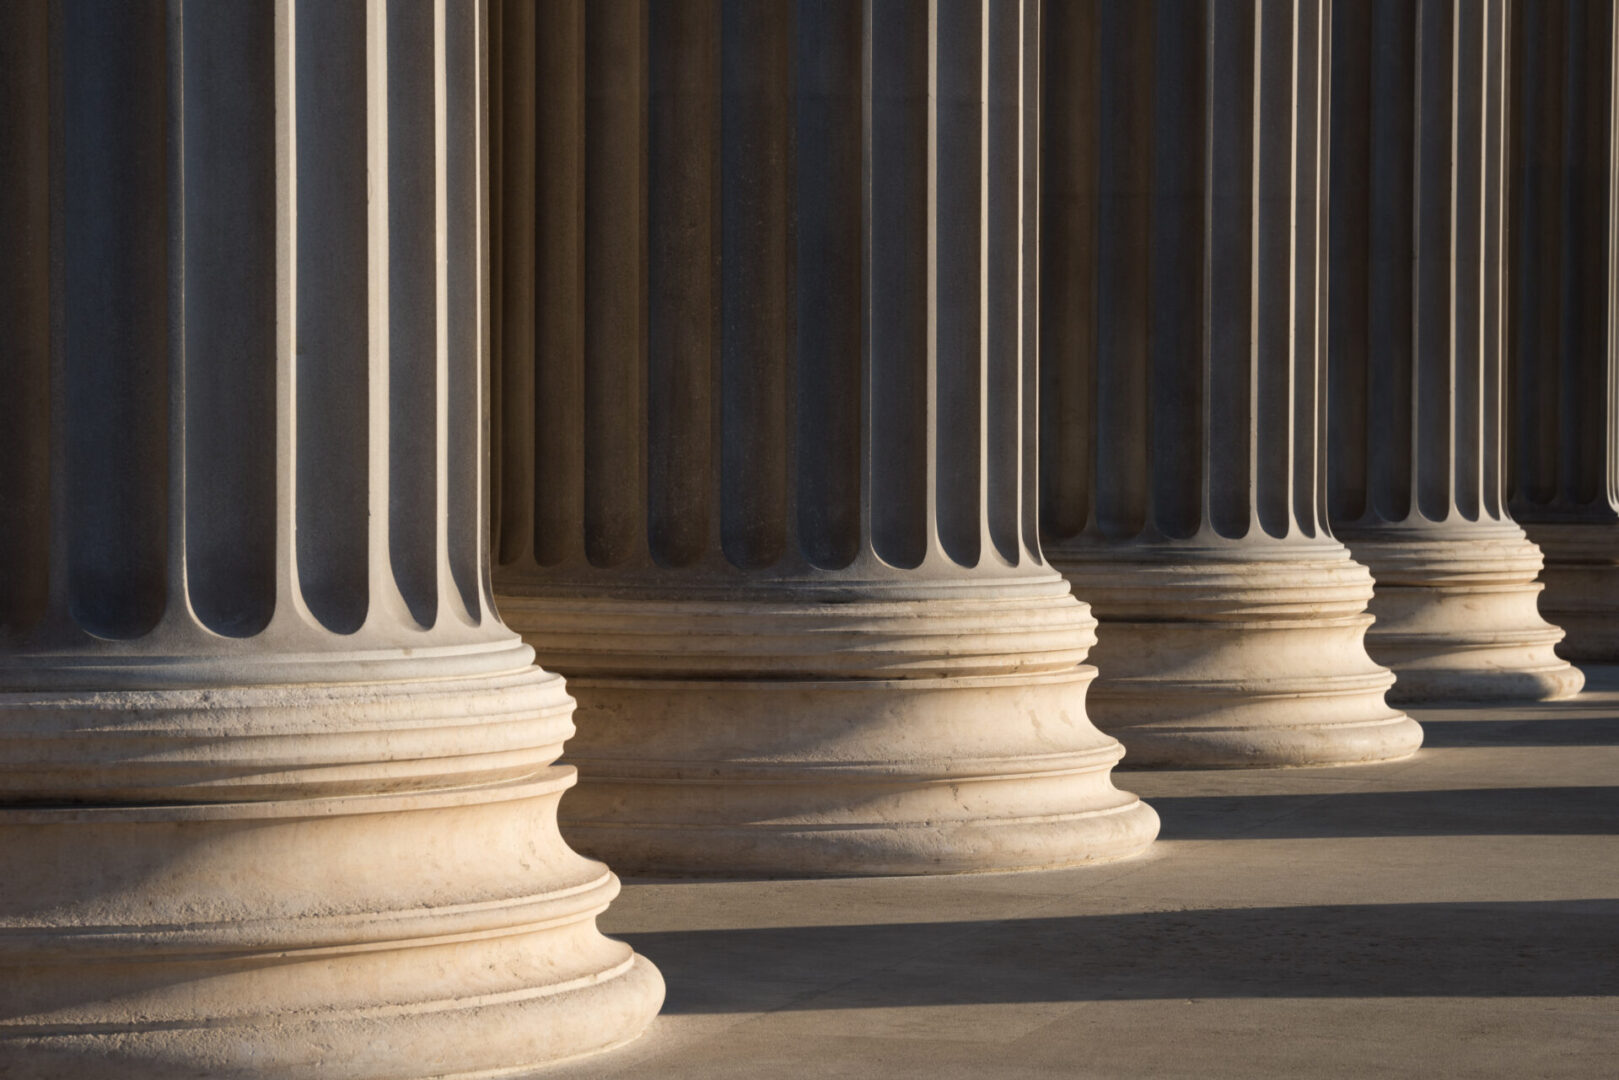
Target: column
765,472
277,792
1418,388
1563,389
1183,341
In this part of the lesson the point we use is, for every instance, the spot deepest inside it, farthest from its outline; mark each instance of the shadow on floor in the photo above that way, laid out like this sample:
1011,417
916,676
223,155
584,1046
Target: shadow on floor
1540,949
1599,678
1541,730
1549,811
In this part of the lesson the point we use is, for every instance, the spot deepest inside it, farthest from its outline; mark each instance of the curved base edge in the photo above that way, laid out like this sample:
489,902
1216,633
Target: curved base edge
1272,747
1219,661
459,1041
1457,616
901,850
390,924
832,777
1458,678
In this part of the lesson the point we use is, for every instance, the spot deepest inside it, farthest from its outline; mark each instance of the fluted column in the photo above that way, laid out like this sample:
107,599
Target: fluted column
1417,352
1563,391
766,469
1183,291
277,792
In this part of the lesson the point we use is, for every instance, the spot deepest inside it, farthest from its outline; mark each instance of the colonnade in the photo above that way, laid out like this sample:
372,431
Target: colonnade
801,377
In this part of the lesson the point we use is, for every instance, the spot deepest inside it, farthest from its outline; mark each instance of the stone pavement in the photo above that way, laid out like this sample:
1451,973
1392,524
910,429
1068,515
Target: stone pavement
1454,914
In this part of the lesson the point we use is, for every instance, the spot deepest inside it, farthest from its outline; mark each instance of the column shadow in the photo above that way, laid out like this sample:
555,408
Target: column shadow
1444,733
1527,949
1535,811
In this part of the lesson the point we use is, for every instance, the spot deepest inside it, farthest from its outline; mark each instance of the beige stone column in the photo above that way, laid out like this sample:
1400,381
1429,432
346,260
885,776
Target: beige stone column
1183,350
1418,395
1563,392
766,468
277,792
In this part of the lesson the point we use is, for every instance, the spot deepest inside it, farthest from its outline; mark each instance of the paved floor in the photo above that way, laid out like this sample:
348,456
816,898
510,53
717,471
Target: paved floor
1455,914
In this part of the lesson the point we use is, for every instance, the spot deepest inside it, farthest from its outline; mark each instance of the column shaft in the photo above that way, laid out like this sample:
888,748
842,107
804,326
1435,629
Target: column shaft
766,459
251,676
1417,351
1563,390
1183,291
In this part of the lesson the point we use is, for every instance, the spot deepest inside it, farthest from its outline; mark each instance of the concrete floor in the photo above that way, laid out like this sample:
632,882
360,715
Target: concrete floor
1455,914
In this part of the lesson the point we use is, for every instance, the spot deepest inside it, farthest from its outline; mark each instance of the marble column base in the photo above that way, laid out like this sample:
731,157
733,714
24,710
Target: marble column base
803,739
1582,587
1457,617
282,881
1210,659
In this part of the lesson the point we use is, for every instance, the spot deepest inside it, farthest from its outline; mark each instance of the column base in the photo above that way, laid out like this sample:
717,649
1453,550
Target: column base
1212,661
957,761
416,932
864,777
1457,618
1581,577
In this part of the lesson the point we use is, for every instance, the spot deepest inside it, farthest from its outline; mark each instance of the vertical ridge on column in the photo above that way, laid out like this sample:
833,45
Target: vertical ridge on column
1004,286
1490,442
757,314
1030,75
614,417
1182,104
25,318
1121,447
1308,213
1072,317
955,268
1573,327
333,333
466,313
519,69
896,228
413,225
115,312
550,233
1434,258
829,280
1232,224
682,277
1276,237
1355,197
1471,275
229,204
1393,315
